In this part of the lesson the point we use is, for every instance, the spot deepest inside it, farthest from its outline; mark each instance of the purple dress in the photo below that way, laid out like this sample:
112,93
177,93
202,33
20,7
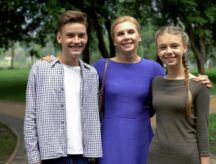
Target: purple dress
126,129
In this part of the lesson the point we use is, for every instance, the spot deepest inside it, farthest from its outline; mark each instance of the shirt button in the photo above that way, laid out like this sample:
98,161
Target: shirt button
62,89
62,105
62,122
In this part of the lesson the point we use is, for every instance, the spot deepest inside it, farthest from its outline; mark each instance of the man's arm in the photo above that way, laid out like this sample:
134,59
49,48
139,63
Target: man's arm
30,127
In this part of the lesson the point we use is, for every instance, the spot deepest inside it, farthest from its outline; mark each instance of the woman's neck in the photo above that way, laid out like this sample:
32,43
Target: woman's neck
127,58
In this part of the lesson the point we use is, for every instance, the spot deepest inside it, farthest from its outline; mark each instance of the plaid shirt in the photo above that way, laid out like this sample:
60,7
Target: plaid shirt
45,120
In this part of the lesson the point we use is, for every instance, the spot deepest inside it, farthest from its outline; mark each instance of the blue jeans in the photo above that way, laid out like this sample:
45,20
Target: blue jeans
70,159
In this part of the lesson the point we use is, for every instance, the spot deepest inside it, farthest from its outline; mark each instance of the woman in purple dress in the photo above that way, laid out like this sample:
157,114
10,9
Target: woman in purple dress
126,129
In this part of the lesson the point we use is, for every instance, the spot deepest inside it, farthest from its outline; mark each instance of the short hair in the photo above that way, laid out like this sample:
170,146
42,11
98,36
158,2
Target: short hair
122,19
71,16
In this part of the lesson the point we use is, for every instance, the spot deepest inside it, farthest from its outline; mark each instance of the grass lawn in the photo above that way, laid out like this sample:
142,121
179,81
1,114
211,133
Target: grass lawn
7,142
13,84
212,133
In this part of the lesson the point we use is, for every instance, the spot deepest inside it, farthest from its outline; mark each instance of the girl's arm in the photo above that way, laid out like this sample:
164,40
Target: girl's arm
204,160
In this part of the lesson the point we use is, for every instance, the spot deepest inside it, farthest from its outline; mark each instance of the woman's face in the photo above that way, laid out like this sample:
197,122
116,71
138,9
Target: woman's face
126,37
170,49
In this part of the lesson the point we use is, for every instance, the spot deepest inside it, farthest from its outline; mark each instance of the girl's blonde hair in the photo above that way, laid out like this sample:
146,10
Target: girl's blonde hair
185,39
122,19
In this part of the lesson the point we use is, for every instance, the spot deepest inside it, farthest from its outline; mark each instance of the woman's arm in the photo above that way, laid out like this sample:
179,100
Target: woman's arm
204,80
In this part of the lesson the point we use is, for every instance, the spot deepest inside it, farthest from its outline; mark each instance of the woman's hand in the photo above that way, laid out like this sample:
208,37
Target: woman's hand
203,79
47,58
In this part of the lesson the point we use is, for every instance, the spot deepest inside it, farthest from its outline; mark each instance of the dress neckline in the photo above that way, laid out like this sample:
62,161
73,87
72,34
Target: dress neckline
126,63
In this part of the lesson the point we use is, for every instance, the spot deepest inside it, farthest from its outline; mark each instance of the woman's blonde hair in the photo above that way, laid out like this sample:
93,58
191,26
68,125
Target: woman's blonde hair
122,19
185,39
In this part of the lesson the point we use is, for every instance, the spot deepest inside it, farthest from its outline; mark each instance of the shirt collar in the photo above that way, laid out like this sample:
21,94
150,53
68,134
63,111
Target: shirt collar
55,61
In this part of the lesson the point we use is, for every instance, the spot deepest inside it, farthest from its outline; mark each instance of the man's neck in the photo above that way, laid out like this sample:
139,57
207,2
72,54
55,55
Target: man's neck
69,61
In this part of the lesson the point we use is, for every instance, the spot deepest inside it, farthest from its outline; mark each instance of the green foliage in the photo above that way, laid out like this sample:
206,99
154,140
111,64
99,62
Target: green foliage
212,76
147,47
35,21
212,133
20,19
7,142
198,20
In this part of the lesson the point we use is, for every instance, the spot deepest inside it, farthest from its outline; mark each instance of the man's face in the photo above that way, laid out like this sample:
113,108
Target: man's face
73,38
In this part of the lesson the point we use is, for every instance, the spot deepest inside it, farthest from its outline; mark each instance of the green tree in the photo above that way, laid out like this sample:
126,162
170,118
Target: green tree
197,17
19,20
35,21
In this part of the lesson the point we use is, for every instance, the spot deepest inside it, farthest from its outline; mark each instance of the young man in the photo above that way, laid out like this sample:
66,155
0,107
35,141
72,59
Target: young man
61,120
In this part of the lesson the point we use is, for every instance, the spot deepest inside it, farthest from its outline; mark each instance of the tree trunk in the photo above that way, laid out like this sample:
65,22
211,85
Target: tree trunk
99,32
12,56
111,45
198,49
86,54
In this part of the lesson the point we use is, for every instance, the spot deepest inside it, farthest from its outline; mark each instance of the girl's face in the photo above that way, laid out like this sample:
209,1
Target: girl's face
170,49
126,37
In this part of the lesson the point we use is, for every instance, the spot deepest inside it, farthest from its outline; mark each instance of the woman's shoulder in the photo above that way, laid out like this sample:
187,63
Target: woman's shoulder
151,63
153,67
100,61
99,65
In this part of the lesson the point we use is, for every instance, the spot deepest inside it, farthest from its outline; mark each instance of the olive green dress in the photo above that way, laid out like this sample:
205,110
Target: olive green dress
179,139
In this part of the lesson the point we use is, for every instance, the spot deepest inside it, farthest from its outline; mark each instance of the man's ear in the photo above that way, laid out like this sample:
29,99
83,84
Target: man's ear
58,37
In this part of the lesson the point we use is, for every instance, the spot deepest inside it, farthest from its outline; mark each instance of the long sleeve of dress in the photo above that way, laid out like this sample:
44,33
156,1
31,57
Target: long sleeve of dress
202,109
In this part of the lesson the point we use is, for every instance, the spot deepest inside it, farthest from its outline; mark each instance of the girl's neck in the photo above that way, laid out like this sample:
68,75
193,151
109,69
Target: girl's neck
175,73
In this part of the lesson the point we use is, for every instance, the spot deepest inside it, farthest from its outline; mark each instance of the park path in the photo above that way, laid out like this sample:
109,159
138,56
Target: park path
12,113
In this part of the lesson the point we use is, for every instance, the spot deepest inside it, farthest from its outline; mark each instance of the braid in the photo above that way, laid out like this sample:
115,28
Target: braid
188,109
178,31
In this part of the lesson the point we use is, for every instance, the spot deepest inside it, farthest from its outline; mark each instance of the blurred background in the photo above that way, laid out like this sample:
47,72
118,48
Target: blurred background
28,29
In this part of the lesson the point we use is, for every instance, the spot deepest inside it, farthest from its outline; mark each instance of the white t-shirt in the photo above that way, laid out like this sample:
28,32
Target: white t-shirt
72,81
